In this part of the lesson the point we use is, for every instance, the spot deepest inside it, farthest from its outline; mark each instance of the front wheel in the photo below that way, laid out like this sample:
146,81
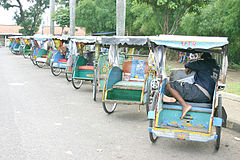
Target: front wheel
94,85
33,59
56,71
148,101
219,128
109,107
77,83
152,107
152,137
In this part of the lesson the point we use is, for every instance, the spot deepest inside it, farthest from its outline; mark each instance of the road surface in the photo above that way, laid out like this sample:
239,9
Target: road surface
42,117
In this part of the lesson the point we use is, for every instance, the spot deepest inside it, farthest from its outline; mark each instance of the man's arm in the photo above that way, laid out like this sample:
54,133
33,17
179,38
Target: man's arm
194,66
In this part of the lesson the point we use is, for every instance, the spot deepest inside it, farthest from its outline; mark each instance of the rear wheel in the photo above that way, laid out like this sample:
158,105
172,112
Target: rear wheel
56,71
69,76
219,128
109,107
26,55
152,107
15,52
40,64
77,83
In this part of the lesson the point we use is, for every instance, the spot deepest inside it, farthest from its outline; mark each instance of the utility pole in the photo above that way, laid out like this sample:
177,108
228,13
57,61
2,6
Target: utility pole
52,9
121,16
72,7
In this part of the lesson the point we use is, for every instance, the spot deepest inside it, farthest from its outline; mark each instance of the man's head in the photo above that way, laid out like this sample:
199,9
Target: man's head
206,56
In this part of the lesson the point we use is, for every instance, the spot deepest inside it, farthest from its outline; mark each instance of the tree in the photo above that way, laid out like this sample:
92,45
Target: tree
144,21
219,18
29,19
62,18
168,13
96,15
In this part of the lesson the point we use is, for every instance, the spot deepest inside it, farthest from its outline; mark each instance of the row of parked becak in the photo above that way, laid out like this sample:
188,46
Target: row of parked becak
132,70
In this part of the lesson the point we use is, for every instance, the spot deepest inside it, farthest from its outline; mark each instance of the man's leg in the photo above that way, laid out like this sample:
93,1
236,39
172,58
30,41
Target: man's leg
175,94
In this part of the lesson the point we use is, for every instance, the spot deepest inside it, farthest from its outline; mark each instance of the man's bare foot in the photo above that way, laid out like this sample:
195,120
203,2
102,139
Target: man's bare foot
185,110
169,99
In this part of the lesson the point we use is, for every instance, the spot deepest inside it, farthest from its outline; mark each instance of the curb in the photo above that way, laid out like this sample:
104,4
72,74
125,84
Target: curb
233,126
230,124
230,96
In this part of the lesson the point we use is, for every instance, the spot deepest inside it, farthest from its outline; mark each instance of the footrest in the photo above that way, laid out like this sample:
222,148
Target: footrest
86,67
194,109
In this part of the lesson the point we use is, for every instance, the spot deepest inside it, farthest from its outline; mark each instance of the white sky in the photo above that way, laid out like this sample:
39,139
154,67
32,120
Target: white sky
6,16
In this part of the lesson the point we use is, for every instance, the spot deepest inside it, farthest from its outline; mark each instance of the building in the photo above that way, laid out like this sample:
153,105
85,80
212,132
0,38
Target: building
13,30
66,31
7,31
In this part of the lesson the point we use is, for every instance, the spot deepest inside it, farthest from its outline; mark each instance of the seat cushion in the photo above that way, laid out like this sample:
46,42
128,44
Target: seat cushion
62,60
86,67
129,85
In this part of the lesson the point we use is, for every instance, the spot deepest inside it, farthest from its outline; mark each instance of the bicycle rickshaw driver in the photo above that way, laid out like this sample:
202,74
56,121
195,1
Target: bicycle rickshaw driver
201,91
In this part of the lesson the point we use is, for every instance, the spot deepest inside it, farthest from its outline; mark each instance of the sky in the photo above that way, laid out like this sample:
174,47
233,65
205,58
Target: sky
6,16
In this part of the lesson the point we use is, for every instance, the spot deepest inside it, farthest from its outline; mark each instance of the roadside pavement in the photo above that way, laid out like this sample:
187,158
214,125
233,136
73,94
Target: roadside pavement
231,103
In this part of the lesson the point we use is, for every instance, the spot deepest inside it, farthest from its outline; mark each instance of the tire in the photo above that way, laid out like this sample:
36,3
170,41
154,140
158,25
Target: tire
109,107
56,71
94,85
26,55
68,76
77,83
16,53
40,64
152,107
219,128
32,59
34,62
21,50
148,102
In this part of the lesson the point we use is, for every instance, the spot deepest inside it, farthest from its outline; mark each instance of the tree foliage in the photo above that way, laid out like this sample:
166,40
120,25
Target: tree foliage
96,15
62,17
168,13
144,23
29,19
219,18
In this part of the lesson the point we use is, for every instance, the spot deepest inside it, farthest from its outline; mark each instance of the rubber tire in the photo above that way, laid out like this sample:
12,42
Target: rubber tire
26,55
75,85
40,64
152,137
68,77
148,97
16,53
21,51
32,59
94,85
219,128
112,108
54,71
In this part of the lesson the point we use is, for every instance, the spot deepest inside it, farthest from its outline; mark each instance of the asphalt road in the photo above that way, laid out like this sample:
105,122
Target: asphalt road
42,117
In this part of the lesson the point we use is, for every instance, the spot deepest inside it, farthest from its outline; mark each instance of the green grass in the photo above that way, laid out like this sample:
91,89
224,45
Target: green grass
233,87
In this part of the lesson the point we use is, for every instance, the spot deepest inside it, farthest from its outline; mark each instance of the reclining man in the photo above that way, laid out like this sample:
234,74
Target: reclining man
201,91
